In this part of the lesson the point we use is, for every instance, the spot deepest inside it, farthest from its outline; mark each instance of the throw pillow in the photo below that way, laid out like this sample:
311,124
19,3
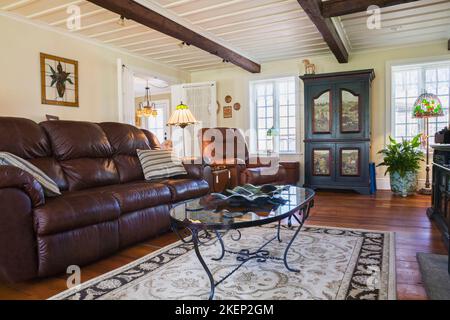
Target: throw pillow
157,164
50,187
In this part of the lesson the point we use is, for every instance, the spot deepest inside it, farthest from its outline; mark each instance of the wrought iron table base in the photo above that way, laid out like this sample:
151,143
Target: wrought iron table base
260,255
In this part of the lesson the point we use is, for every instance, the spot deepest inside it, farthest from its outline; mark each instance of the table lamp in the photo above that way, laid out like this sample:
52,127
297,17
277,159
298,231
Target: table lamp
182,117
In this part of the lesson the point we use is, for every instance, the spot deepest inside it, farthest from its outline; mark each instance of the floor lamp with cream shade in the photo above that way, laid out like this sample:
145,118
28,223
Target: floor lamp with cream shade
182,117
427,106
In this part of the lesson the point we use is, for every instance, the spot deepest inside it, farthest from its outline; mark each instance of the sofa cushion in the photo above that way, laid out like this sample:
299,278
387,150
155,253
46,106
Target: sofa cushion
53,169
84,153
90,173
138,195
129,168
185,189
152,139
25,138
78,247
142,224
76,139
124,138
75,210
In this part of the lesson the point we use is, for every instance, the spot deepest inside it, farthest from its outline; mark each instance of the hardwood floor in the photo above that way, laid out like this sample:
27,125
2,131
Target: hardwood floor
414,233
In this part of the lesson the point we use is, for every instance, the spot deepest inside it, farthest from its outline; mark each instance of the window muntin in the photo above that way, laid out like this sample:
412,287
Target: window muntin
275,105
408,82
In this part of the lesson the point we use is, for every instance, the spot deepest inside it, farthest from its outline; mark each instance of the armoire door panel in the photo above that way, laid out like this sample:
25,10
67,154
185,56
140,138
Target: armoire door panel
320,164
320,113
352,163
352,110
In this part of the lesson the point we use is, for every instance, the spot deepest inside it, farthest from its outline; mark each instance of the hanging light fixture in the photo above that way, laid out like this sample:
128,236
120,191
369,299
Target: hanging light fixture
147,108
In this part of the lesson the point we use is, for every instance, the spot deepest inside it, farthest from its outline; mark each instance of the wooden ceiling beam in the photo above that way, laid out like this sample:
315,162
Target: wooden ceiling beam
336,8
326,28
145,16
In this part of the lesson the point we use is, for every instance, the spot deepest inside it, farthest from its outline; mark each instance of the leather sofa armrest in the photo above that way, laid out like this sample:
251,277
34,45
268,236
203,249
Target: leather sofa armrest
13,177
198,169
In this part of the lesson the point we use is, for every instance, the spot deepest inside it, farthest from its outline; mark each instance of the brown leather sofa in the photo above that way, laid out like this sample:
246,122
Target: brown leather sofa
226,147
106,204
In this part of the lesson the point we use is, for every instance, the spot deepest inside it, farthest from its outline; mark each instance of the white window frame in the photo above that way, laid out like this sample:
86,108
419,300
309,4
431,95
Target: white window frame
276,119
389,98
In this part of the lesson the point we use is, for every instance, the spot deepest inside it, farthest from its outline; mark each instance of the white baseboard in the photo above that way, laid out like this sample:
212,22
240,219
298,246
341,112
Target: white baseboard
384,183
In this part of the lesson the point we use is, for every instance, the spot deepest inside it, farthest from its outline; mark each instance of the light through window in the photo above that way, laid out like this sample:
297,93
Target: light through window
274,107
408,82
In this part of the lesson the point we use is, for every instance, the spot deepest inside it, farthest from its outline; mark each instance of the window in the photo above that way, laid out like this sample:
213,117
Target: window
274,105
408,82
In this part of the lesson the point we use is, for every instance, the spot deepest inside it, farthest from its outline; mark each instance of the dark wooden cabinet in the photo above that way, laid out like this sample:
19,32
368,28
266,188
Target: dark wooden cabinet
440,210
440,199
337,130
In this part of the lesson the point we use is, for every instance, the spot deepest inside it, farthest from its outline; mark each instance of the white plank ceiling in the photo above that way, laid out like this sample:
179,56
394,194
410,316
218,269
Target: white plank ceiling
415,22
265,30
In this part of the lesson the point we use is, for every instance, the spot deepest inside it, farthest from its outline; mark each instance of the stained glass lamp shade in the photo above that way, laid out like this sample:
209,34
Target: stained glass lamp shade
182,117
428,105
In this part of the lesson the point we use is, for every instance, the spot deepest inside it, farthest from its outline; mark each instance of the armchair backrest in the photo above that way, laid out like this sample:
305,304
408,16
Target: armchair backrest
224,145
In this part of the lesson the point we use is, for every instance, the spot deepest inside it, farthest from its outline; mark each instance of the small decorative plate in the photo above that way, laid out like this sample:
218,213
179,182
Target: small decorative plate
228,99
237,106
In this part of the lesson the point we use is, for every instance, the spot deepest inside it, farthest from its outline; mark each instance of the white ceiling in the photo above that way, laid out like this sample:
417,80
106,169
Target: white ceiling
262,29
421,21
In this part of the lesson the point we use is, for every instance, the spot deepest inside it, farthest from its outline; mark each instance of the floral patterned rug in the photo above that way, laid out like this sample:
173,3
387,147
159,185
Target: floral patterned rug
334,264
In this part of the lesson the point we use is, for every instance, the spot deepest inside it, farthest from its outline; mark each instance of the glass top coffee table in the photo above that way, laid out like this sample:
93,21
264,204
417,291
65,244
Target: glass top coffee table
208,215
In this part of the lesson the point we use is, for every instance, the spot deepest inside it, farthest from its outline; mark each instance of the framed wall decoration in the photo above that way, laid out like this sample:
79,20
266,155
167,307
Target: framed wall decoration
59,81
350,112
237,106
350,162
228,112
321,160
321,116
228,99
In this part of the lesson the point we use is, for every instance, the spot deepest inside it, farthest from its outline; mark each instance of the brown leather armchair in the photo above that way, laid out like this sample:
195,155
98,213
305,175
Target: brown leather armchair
226,147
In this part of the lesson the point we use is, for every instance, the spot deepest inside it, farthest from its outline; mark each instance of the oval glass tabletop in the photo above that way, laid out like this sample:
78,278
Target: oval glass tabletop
209,212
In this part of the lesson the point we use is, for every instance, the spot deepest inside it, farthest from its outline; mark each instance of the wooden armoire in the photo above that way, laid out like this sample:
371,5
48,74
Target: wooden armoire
337,130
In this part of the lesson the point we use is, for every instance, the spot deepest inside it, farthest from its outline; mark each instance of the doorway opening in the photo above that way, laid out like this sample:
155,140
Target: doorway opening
152,104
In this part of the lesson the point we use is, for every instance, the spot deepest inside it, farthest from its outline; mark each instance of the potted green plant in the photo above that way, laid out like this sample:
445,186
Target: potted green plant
402,160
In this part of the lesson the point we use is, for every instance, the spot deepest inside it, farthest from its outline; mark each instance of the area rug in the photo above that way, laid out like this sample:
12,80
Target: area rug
435,276
334,264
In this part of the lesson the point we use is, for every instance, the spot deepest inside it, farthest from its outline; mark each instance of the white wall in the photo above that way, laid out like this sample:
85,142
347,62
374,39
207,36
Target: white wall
20,93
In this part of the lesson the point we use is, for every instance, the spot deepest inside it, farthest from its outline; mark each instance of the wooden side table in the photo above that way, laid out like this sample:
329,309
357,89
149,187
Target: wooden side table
292,171
221,179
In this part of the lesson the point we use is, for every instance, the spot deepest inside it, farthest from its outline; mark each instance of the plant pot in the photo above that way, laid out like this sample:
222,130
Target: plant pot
404,185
